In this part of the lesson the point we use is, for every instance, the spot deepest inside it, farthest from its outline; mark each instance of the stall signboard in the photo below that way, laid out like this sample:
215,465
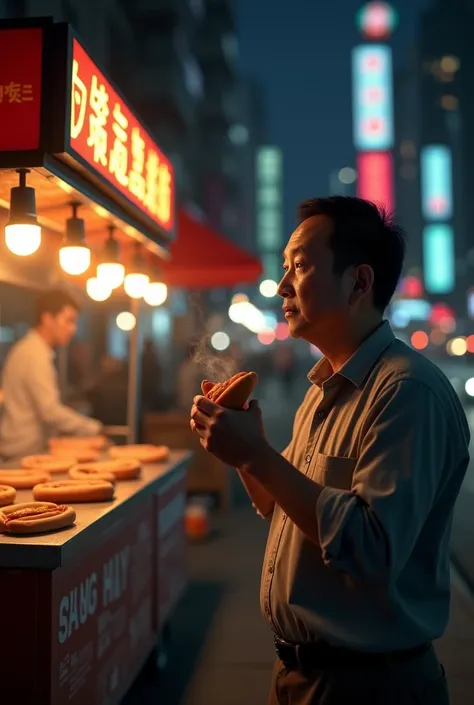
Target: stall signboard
102,615
21,51
171,546
106,134
59,111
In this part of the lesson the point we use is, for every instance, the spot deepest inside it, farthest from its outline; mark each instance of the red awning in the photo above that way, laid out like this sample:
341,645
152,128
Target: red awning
202,259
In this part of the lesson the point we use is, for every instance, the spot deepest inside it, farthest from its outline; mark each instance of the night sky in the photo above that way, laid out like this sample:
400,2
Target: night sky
300,52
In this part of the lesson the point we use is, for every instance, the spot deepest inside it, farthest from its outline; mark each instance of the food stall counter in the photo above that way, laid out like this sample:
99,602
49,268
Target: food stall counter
91,601
95,519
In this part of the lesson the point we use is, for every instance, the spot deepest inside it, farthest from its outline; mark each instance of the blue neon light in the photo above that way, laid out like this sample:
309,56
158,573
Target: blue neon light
438,259
436,182
372,95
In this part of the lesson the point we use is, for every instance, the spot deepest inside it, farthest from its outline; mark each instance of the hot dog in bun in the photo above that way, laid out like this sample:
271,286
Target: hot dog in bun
50,463
74,491
35,518
7,495
141,452
111,470
23,479
233,393
94,442
75,453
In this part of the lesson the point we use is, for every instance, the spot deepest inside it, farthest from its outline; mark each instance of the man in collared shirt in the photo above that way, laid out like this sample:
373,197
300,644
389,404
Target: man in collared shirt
32,408
356,576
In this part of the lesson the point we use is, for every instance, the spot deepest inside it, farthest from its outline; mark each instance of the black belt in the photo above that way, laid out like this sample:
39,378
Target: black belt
322,656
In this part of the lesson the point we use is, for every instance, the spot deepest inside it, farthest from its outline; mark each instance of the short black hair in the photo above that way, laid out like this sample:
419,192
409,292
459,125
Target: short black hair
363,233
53,302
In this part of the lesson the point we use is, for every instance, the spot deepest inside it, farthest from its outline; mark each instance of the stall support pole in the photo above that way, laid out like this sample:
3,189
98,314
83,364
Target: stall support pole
134,377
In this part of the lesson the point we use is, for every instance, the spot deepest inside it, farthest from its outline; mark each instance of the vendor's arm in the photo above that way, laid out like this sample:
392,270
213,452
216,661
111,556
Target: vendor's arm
43,387
370,531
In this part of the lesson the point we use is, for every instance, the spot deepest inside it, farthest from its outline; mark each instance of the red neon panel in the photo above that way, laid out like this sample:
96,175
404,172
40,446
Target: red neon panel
375,178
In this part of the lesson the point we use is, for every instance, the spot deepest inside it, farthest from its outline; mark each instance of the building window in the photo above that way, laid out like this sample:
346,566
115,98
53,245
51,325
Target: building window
408,149
408,172
449,64
449,102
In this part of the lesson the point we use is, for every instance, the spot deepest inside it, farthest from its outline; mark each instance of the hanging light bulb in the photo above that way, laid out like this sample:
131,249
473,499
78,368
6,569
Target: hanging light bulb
22,232
74,255
156,292
111,271
97,289
136,281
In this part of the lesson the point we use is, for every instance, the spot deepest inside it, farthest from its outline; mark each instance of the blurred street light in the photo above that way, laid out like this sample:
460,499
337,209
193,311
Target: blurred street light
268,288
347,175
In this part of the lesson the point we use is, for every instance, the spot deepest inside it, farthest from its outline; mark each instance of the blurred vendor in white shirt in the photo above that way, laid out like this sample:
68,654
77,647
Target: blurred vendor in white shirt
32,408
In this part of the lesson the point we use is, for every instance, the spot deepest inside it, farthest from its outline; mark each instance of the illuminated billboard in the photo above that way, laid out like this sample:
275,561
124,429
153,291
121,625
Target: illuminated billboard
375,178
269,179
436,182
438,259
107,135
372,97
377,20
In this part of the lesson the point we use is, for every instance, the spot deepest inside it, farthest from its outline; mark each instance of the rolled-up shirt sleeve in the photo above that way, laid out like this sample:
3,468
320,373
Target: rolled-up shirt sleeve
44,391
370,531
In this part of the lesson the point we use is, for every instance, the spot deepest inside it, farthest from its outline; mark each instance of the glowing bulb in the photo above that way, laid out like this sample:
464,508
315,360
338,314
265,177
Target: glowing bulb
22,240
126,321
156,294
111,273
457,347
75,260
220,341
136,284
469,387
268,288
97,289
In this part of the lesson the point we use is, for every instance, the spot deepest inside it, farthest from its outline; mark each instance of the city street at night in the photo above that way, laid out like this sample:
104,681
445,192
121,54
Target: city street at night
205,204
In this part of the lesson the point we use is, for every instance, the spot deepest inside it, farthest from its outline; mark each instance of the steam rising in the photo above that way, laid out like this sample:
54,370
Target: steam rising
215,367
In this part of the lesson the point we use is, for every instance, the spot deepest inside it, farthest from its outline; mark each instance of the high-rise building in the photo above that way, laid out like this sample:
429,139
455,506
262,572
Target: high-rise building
406,157
446,113
175,60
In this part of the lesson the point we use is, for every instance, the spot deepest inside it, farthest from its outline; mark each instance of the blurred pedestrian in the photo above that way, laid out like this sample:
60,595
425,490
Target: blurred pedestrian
150,377
356,576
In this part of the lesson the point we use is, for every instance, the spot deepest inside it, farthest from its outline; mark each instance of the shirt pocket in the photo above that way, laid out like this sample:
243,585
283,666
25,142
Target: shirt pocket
335,471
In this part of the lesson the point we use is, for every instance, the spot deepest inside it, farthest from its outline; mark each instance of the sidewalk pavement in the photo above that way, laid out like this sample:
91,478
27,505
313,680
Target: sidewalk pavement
222,653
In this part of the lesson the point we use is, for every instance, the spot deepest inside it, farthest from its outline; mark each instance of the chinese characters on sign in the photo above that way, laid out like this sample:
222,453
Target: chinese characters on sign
107,135
16,93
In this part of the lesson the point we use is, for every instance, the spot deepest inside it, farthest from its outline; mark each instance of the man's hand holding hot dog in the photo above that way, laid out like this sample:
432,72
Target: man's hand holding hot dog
236,437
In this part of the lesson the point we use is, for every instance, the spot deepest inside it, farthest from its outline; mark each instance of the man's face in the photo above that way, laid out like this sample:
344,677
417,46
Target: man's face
316,301
61,327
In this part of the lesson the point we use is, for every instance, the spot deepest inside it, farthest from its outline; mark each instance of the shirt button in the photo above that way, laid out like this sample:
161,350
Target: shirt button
308,458
270,569
283,517
267,608
321,414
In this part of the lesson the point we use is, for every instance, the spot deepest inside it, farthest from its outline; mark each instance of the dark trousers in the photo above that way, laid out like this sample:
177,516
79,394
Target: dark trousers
421,681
